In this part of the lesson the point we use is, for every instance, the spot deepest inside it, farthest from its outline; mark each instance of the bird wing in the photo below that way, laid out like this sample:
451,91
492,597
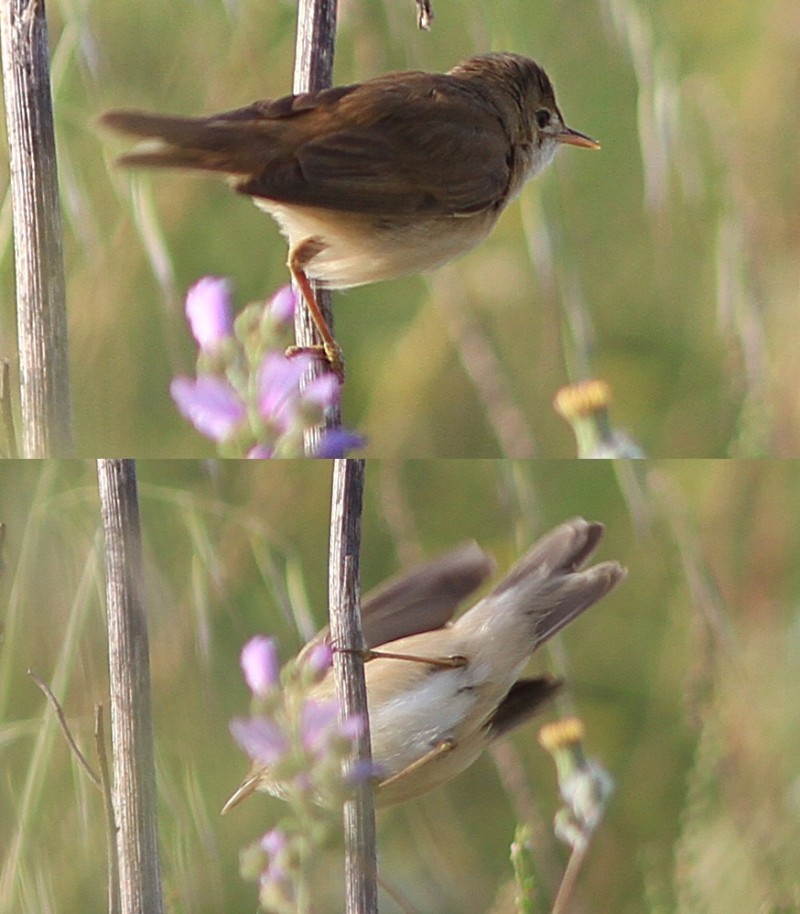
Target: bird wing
400,146
421,599
426,597
523,701
405,144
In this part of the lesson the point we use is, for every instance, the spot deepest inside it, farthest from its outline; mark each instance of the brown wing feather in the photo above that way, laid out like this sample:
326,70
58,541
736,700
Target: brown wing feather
421,599
391,146
241,142
398,147
426,597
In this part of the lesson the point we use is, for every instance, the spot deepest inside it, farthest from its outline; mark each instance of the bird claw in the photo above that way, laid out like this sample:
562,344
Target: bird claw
325,352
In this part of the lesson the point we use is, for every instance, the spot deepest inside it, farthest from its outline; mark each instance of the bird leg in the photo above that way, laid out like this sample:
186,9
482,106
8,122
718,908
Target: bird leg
299,256
453,662
441,748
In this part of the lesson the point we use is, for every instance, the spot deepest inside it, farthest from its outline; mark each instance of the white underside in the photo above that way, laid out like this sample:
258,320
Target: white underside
425,716
360,249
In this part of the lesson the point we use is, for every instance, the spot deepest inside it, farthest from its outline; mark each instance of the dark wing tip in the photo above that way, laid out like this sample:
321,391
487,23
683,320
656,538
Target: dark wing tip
523,701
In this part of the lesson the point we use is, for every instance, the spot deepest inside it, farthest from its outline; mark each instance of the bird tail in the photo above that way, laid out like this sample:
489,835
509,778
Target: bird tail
546,589
219,144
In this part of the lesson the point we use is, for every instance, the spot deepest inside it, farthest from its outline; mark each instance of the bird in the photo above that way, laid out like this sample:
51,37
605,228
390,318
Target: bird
439,691
369,181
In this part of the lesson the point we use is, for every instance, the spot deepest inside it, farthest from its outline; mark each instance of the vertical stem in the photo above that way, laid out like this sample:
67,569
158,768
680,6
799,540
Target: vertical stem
570,879
129,671
7,412
361,868
316,34
313,69
41,311
108,808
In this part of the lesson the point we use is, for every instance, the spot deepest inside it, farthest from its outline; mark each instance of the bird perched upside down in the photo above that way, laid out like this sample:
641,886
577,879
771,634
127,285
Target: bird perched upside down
440,691
374,180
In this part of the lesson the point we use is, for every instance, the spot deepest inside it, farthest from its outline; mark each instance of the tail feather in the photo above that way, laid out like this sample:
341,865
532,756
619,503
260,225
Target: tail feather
207,144
564,549
563,598
144,124
548,588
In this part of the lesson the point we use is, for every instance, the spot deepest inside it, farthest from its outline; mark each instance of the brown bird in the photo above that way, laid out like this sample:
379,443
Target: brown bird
439,692
370,181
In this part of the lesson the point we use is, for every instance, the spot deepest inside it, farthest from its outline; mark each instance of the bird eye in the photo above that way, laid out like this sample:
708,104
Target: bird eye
542,118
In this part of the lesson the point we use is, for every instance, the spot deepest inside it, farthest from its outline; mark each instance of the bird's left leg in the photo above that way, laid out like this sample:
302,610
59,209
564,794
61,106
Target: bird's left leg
441,748
452,662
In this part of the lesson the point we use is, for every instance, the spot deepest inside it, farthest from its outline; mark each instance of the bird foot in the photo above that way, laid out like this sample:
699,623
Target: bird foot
331,354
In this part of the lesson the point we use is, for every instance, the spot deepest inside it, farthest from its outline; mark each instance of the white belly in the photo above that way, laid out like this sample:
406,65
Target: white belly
406,727
360,249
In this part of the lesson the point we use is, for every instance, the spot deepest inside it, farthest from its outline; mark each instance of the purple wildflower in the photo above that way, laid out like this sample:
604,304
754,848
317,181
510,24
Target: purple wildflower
210,404
324,390
282,304
276,880
274,842
209,312
279,388
337,442
318,721
260,452
320,658
351,727
260,664
261,738
363,770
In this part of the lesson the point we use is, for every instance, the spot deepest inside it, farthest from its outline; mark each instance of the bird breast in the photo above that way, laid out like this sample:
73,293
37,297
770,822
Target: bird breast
414,710
359,248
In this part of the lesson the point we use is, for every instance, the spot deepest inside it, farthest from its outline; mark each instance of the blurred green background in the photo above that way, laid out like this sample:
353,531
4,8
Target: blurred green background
667,263
685,677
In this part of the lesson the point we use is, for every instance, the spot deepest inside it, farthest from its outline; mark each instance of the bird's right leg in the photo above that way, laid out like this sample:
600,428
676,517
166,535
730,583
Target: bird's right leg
299,257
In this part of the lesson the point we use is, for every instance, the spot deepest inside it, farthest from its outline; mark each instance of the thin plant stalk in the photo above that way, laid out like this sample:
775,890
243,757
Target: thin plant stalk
361,868
45,398
313,69
129,673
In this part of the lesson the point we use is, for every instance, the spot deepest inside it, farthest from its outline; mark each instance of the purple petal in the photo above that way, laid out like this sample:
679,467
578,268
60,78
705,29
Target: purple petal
209,311
324,391
317,721
210,404
260,452
363,770
260,738
276,845
260,664
283,303
279,387
273,842
351,727
303,781
336,442
320,657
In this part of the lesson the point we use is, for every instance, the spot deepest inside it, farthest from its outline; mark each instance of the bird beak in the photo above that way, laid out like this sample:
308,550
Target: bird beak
243,791
573,138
